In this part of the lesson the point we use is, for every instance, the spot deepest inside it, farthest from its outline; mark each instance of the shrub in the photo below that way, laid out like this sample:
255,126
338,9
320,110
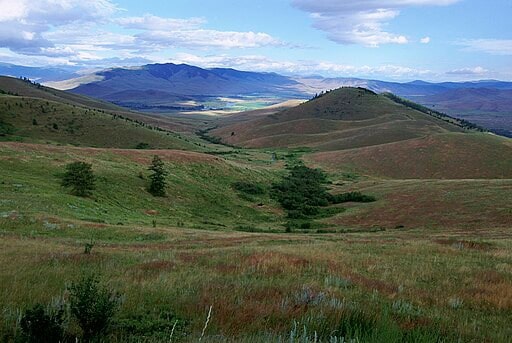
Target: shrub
39,324
93,306
88,247
80,178
157,183
142,145
302,191
249,188
350,196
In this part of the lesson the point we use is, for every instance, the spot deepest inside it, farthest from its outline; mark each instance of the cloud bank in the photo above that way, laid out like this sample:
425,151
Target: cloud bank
361,21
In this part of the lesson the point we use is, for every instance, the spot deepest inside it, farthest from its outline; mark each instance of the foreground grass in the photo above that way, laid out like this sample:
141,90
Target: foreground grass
404,283
393,286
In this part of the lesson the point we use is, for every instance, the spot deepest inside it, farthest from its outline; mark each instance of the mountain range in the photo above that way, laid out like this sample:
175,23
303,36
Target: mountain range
181,87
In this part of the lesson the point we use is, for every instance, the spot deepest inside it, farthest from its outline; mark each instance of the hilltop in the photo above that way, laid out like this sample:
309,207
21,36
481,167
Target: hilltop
356,130
342,119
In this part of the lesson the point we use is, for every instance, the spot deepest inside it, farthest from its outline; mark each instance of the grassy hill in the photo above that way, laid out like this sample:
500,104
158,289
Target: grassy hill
30,112
447,244
342,119
25,88
428,261
199,192
38,120
444,156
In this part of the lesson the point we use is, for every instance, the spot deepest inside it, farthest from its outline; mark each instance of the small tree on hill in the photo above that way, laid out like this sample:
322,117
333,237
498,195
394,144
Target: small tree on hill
157,184
80,178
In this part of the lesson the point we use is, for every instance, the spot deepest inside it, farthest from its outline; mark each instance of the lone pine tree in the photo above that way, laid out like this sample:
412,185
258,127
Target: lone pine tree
157,183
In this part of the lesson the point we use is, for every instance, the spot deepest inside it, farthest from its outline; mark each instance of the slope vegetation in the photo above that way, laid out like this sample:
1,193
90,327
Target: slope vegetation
198,194
446,156
342,119
37,120
25,88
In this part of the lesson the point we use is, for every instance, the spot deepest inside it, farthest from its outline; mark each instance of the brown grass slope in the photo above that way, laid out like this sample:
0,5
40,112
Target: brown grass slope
446,156
466,205
345,118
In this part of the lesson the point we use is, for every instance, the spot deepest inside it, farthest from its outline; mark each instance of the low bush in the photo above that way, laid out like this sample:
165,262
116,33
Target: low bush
249,188
43,324
93,306
350,197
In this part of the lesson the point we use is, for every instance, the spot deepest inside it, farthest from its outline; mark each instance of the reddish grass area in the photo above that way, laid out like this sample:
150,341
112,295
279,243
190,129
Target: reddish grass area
465,205
135,155
452,156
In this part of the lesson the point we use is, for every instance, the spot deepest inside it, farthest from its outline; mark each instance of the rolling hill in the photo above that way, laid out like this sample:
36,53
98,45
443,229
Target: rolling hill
441,156
210,247
342,119
32,113
356,130
171,88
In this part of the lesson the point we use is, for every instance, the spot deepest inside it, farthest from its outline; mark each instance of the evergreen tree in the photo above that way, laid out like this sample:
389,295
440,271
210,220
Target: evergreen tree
80,178
157,184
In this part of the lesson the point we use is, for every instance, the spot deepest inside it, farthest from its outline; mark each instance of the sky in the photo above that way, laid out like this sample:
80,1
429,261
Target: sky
402,40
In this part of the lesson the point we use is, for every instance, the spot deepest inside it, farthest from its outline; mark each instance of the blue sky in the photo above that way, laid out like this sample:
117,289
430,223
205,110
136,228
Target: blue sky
433,40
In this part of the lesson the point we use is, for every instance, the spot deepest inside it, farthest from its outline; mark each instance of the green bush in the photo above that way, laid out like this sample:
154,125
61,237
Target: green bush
39,324
350,197
249,188
93,306
80,178
302,191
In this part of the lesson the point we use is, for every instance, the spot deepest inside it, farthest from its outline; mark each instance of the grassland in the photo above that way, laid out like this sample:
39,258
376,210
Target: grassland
429,261
445,156
201,195
438,270
38,121
343,119
268,287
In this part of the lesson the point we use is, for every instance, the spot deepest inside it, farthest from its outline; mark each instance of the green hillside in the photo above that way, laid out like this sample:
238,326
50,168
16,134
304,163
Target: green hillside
341,119
37,120
199,192
174,258
249,245
25,88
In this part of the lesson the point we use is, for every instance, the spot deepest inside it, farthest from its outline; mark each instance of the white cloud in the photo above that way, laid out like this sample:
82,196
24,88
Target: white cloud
202,39
360,21
76,28
489,46
154,23
23,23
425,40
468,71
304,67
159,33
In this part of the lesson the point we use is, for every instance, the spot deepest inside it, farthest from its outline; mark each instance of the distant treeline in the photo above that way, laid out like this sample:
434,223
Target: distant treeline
323,93
443,116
